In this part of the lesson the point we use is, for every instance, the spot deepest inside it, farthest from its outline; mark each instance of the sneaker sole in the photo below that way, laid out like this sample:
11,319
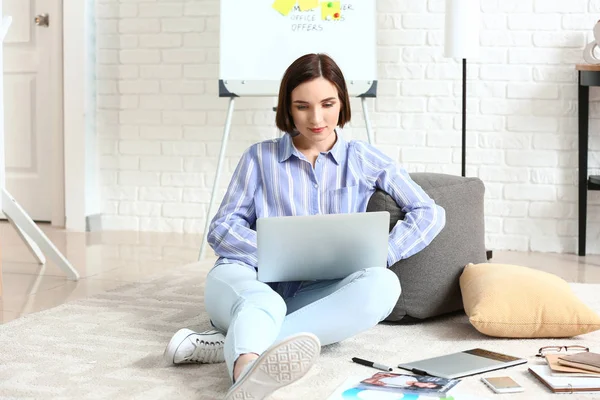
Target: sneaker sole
282,364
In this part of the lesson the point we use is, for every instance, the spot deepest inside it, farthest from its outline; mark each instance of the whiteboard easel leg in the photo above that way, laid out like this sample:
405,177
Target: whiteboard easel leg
34,249
33,235
367,121
217,175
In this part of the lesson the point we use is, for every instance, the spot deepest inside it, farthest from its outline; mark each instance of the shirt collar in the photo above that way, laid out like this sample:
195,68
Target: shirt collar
287,148
339,149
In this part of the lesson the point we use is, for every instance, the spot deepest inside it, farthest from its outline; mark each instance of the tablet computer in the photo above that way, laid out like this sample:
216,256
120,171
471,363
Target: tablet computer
464,363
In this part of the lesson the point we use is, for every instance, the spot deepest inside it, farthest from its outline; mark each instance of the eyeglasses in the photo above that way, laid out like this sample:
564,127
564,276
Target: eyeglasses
556,349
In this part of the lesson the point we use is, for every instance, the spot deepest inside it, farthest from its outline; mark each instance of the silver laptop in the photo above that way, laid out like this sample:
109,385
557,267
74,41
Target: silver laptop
464,363
320,247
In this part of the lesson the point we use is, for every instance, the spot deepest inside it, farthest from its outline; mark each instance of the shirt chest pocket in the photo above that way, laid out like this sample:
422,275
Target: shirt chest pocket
341,201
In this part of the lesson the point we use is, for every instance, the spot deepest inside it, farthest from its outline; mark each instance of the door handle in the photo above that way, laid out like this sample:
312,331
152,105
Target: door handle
42,20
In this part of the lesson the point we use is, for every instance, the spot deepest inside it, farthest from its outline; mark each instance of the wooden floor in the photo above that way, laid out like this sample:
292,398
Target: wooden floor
106,260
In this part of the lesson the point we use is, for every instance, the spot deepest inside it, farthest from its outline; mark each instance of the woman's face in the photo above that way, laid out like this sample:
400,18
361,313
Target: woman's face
315,109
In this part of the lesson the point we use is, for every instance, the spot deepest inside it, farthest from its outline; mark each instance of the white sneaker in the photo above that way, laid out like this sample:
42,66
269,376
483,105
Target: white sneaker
187,346
280,365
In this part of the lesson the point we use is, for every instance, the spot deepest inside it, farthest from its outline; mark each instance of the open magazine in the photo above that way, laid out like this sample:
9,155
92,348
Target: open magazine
388,384
409,384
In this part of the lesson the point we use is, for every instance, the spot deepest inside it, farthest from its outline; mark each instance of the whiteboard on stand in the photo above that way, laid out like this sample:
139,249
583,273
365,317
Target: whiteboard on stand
261,38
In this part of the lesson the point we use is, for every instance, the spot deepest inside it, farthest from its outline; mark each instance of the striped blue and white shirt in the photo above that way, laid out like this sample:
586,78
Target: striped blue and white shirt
274,179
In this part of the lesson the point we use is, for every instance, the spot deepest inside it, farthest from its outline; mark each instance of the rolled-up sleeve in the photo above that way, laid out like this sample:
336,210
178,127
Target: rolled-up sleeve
230,233
424,219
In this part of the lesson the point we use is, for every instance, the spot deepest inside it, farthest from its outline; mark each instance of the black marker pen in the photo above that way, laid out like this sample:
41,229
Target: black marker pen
371,364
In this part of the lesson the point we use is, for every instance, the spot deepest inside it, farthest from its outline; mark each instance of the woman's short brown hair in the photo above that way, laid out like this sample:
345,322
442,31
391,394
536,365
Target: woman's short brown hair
304,69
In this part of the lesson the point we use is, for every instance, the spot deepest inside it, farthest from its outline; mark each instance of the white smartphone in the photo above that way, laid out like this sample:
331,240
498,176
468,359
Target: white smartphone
503,384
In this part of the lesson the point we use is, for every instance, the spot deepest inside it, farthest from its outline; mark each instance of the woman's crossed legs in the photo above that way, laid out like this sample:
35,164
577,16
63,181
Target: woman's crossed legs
256,317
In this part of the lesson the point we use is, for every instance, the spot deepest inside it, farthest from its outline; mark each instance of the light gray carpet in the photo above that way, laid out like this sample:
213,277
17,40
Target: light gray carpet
110,347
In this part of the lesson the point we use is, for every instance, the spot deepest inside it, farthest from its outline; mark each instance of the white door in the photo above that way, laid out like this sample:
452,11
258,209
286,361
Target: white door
32,99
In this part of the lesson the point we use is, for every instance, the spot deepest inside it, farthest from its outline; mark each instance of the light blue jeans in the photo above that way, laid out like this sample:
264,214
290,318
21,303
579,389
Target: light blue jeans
255,316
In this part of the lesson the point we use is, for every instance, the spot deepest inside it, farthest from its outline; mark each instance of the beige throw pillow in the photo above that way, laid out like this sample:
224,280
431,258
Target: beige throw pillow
519,302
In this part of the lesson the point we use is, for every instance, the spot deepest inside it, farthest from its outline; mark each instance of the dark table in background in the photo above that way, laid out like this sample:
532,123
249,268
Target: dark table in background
589,75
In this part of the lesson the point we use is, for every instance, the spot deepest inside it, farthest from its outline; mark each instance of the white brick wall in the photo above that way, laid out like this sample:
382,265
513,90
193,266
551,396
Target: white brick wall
160,120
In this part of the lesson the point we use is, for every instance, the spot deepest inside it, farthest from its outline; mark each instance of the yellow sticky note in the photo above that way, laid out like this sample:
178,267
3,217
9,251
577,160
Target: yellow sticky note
284,6
306,5
330,10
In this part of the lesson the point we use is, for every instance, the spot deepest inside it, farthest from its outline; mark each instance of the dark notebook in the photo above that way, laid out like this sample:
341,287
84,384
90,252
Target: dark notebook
586,360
